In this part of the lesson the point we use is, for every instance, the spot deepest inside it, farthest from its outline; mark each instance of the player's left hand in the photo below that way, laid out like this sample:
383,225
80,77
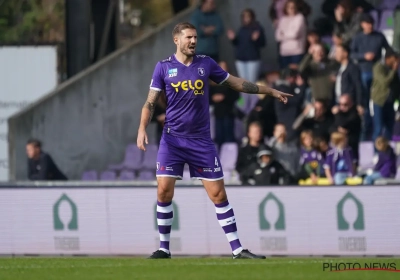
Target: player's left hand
283,97
142,139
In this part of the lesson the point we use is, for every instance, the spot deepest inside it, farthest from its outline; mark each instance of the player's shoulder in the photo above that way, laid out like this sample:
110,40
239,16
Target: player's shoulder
166,60
203,57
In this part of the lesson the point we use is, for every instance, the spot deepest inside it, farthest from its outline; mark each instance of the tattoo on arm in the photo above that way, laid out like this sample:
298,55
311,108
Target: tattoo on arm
249,87
151,102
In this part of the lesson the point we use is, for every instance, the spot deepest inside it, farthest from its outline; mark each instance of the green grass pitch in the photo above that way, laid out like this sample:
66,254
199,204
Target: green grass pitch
87,268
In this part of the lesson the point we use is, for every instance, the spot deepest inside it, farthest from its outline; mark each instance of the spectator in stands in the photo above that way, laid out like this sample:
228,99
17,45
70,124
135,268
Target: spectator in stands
287,113
291,35
348,122
329,6
347,20
209,27
337,41
287,153
320,123
366,48
386,165
223,99
266,170
248,42
321,145
41,166
348,78
313,38
264,113
311,160
159,115
276,10
385,91
318,70
248,151
339,163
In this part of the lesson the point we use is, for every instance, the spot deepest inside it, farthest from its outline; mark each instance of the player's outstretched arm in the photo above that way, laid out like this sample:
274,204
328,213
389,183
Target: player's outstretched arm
147,115
242,85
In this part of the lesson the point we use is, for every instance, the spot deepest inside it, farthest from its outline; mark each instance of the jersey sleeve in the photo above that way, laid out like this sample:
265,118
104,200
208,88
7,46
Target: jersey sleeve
157,80
217,74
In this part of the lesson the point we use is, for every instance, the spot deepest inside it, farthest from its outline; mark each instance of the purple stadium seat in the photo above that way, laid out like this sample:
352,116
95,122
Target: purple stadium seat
239,129
228,156
89,175
146,175
108,176
132,160
374,14
150,157
386,21
127,175
327,40
366,152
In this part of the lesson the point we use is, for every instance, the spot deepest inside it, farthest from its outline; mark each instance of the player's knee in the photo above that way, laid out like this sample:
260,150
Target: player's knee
218,196
165,193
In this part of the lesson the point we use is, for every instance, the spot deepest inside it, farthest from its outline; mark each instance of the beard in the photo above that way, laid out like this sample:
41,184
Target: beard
187,52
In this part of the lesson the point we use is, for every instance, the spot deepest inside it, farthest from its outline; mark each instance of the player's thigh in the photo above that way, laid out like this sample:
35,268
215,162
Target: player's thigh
170,161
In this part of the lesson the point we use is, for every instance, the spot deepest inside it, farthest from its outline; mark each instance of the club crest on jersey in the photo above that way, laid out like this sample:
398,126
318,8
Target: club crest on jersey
201,71
172,72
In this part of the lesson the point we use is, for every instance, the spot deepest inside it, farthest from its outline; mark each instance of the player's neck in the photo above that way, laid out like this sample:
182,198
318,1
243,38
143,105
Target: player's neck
184,59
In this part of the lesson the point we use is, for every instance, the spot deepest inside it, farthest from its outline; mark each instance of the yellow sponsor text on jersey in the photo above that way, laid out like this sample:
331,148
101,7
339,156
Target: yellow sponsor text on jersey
197,86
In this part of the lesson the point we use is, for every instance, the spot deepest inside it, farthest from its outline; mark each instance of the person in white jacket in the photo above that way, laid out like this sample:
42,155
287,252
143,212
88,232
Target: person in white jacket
292,35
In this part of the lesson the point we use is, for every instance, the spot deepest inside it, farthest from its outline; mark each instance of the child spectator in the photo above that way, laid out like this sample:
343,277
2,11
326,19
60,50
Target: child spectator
339,160
321,145
311,159
386,165
337,41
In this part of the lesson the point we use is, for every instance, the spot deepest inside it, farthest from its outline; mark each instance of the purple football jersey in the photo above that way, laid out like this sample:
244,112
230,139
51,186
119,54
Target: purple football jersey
187,92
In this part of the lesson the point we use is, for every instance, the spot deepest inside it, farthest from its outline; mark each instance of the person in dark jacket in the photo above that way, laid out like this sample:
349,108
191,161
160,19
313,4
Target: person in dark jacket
209,28
41,166
348,122
386,165
248,151
248,42
366,49
287,113
266,171
348,78
223,98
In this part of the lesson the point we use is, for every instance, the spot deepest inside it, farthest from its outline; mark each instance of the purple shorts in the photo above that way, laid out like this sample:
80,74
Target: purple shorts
199,153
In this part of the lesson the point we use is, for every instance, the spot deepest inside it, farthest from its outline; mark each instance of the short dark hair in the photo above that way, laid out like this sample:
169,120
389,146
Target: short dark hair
182,26
345,48
391,53
35,142
250,12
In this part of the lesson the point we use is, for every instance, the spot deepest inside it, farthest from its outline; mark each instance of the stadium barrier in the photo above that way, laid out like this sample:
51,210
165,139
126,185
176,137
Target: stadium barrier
101,219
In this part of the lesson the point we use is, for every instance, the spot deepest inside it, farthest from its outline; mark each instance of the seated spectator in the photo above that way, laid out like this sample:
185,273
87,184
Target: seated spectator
339,160
223,99
287,153
348,122
337,41
248,152
329,6
41,166
320,123
386,165
291,34
313,38
318,70
321,145
385,91
348,78
366,49
248,42
311,160
209,27
287,113
264,113
266,171
347,20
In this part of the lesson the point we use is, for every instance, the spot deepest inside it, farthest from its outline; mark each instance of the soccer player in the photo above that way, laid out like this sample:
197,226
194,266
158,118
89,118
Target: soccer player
186,137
